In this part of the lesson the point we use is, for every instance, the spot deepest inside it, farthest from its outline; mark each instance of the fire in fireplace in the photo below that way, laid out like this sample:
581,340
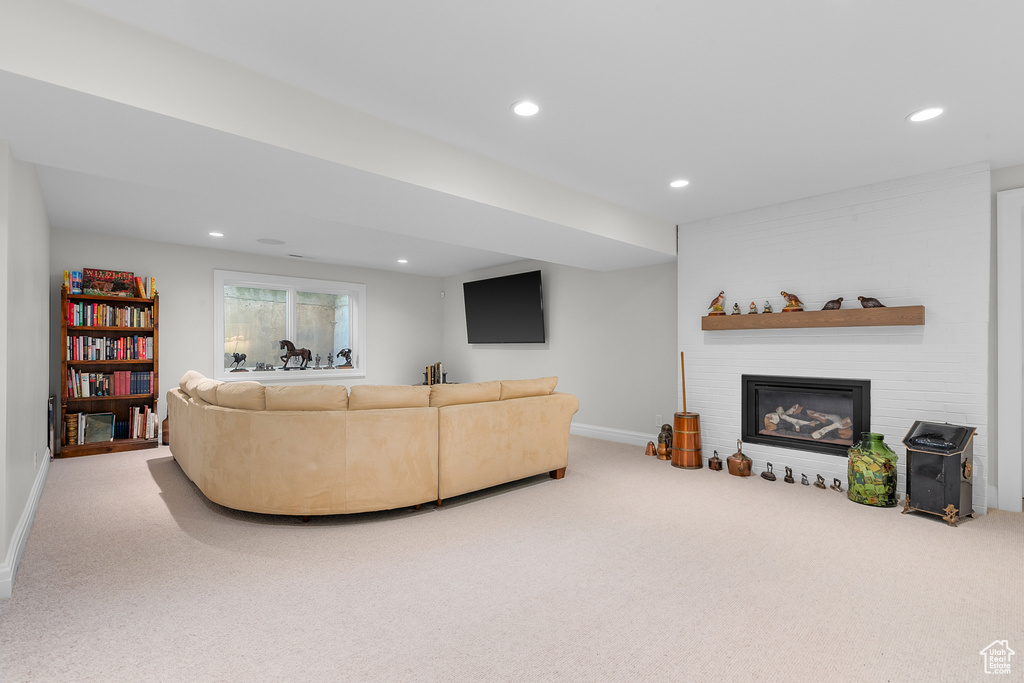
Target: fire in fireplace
824,415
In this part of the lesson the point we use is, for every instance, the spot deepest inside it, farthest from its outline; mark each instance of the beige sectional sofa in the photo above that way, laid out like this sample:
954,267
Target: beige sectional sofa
323,449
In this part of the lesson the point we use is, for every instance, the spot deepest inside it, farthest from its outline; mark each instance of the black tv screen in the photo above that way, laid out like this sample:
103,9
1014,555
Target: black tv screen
505,310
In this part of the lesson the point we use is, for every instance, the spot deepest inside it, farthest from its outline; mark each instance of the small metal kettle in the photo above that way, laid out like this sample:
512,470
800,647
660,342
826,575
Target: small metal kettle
715,463
739,464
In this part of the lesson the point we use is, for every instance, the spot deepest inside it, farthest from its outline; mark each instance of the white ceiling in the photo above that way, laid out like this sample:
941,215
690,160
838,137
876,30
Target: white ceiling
755,103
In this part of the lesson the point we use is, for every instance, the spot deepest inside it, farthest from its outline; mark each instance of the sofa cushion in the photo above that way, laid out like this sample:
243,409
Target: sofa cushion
242,395
190,375
458,394
520,388
207,389
372,396
307,397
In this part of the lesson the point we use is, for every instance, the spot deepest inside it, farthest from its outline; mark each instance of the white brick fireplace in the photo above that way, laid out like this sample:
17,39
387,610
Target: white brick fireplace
923,240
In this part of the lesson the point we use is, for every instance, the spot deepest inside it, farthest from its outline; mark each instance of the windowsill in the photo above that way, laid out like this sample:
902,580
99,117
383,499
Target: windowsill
308,376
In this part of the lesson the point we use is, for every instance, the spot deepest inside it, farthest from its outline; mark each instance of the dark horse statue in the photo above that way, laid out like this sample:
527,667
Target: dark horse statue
239,360
291,351
347,355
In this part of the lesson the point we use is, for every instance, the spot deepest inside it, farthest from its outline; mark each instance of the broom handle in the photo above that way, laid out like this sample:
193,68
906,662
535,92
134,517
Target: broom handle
682,366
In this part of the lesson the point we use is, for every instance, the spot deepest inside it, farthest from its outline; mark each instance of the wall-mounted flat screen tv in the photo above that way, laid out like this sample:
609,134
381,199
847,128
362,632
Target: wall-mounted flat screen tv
505,310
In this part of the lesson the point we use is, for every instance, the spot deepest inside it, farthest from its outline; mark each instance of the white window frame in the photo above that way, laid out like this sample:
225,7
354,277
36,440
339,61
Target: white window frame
357,324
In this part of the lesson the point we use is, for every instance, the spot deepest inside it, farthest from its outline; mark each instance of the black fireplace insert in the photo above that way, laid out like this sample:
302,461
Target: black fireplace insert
824,415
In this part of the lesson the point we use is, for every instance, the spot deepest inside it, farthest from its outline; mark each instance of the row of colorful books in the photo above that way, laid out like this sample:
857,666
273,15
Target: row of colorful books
82,347
435,374
85,314
118,383
142,424
83,428
109,283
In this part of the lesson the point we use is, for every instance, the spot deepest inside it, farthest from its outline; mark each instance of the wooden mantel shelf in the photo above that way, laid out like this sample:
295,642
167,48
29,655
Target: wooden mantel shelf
851,317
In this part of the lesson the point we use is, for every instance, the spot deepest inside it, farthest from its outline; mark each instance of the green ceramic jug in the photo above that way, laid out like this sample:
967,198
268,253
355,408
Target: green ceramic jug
872,472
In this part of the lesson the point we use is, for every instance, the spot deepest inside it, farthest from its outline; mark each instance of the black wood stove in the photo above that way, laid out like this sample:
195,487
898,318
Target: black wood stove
940,469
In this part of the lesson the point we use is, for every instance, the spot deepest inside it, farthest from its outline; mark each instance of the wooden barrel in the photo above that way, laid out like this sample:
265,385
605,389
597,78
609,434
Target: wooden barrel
686,442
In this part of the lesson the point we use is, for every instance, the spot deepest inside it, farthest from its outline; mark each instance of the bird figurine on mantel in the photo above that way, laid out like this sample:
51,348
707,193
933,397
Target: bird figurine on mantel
870,302
717,304
793,302
833,305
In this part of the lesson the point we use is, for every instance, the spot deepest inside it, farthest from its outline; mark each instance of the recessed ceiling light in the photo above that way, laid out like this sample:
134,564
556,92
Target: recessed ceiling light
216,234
403,260
272,242
525,108
679,183
924,114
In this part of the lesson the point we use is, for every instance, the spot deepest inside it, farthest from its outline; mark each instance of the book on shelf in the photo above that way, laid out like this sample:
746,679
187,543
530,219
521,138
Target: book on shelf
107,282
98,427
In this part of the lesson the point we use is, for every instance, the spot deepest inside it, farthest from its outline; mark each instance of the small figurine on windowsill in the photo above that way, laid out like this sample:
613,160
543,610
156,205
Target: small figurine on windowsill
753,309
793,302
735,309
767,306
716,306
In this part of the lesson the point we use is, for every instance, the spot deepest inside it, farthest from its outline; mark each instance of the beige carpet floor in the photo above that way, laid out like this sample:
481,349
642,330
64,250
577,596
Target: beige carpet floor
626,570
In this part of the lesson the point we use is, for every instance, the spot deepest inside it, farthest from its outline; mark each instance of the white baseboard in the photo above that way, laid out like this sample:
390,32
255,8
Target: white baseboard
609,434
9,568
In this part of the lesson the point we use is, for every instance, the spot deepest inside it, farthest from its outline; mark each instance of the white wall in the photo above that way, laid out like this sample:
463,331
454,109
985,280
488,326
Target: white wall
921,240
610,341
24,324
403,312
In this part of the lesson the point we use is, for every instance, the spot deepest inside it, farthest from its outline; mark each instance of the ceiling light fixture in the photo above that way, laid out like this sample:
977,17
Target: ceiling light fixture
270,241
679,183
403,260
924,114
525,108
216,234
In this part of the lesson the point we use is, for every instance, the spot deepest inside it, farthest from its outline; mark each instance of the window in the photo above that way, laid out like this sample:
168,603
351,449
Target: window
253,313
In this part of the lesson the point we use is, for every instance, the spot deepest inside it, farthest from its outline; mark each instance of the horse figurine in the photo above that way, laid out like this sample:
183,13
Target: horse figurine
239,362
347,355
304,354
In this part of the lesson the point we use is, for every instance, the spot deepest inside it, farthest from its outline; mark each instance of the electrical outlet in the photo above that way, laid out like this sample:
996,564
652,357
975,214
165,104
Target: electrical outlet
657,420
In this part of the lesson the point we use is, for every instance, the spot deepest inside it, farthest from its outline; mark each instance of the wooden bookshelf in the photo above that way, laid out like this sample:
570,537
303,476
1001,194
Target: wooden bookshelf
852,317
113,348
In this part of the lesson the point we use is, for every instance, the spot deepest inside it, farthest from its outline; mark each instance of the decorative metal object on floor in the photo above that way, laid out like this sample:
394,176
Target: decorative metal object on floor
837,485
820,482
651,449
739,464
714,462
768,474
940,470
803,479
789,476
665,442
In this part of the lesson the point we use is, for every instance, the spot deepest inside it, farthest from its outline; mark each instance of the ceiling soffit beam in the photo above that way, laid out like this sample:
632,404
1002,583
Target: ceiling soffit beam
116,62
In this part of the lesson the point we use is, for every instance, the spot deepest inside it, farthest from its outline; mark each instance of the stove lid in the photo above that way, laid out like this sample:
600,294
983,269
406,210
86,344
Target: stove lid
938,437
